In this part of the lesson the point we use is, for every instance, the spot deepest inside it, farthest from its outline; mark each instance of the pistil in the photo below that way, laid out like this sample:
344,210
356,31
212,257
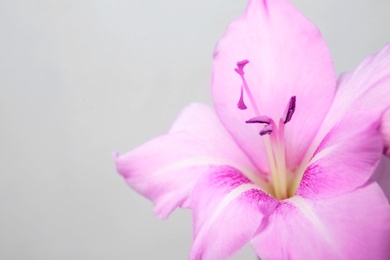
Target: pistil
240,71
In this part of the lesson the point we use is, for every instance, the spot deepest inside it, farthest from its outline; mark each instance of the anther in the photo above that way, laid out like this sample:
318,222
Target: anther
259,120
290,109
266,130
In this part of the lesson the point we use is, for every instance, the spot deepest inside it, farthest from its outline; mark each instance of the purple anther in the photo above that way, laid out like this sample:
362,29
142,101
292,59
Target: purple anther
259,120
241,105
290,109
266,130
240,67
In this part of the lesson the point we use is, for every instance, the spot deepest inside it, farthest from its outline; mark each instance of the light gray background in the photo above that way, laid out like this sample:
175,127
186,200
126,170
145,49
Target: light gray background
80,79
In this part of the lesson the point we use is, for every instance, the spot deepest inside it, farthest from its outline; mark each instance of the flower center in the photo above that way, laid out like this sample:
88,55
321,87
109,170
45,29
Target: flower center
273,137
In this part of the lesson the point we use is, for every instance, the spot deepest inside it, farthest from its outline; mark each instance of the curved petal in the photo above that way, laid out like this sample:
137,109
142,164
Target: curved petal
355,130
166,168
287,57
364,92
344,161
352,226
382,176
227,209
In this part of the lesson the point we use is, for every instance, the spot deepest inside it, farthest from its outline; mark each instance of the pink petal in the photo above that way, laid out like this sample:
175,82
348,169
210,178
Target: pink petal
363,93
354,133
228,209
352,226
344,161
288,57
166,169
382,176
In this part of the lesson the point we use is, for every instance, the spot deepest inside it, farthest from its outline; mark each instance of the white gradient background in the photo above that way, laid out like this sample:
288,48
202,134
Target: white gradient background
80,79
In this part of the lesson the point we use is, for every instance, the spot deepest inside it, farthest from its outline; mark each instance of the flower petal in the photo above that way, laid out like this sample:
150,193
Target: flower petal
227,209
288,57
363,93
354,133
166,168
344,161
352,226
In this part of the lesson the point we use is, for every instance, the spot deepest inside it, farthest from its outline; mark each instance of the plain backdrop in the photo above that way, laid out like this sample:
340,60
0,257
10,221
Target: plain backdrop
80,79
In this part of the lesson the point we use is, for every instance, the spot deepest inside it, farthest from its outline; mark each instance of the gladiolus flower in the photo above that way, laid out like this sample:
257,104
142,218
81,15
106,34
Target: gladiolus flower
290,167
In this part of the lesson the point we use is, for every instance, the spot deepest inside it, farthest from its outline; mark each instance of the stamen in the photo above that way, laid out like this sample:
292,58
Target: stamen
273,137
266,130
269,124
290,109
259,120
241,105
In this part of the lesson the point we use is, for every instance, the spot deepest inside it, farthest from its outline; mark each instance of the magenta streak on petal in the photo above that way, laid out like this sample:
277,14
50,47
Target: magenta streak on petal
259,120
290,109
241,105
240,71
266,130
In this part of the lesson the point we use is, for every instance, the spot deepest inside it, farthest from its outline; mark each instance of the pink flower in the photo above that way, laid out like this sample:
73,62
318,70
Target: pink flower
302,189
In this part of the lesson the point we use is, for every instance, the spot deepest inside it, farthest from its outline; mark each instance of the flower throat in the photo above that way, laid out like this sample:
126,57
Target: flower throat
273,137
